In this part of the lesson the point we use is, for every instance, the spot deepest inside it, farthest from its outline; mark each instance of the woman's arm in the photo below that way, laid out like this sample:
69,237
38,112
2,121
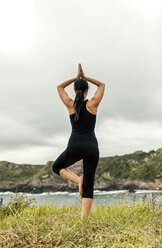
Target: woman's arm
94,81
96,99
62,93
67,82
66,99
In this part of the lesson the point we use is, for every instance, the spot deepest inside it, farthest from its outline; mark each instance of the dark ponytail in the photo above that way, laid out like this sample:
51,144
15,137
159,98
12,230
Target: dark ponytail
80,85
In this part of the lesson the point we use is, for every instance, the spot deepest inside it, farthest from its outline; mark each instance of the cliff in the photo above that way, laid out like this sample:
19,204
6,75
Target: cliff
139,170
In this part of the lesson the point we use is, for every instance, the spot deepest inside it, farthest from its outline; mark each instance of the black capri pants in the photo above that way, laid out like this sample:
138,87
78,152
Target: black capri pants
90,161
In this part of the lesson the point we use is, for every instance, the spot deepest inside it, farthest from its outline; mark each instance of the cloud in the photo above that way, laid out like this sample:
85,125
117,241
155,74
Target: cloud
117,42
124,136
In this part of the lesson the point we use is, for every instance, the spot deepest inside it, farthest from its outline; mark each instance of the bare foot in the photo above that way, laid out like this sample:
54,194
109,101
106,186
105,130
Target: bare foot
81,186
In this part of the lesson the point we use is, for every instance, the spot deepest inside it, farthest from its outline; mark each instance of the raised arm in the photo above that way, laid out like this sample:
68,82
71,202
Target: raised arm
66,99
95,100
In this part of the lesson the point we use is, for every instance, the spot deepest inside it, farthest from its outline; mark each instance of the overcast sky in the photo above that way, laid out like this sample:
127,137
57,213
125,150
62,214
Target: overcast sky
42,42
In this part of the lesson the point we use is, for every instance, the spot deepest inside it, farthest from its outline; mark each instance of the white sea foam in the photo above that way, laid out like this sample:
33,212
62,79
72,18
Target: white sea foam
74,193
58,193
96,192
7,193
103,192
148,191
44,193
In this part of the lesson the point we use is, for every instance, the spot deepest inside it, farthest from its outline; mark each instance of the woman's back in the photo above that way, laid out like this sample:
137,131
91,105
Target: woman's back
83,134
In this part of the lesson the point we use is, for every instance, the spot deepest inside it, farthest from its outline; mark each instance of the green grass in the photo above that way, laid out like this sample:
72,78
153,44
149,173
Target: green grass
123,225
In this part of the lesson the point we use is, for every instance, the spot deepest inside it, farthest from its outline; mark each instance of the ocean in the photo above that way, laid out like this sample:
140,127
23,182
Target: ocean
100,197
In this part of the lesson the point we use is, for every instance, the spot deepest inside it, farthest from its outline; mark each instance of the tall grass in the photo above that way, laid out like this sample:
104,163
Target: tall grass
122,225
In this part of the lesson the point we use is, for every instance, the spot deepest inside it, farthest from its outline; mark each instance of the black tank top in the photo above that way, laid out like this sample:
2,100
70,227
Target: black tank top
83,134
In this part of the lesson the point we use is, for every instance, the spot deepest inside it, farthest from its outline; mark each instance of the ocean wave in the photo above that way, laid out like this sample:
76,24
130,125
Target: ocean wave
103,192
58,193
74,193
96,192
148,191
7,193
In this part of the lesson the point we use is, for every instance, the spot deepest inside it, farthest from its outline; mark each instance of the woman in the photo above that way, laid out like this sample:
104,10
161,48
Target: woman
82,143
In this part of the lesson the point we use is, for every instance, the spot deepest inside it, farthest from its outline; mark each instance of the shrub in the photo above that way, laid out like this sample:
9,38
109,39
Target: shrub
15,205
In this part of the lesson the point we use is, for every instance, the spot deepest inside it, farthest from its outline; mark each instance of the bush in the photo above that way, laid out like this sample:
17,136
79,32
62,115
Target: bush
15,205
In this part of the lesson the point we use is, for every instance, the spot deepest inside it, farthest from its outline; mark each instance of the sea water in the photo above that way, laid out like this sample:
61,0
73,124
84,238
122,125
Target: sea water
100,197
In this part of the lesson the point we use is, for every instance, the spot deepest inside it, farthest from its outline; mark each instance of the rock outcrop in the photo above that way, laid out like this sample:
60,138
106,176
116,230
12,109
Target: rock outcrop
113,173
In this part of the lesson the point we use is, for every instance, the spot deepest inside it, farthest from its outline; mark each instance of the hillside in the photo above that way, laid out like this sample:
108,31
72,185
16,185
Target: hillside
139,170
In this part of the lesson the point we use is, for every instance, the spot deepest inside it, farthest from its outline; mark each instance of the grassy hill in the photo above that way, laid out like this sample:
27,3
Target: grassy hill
136,166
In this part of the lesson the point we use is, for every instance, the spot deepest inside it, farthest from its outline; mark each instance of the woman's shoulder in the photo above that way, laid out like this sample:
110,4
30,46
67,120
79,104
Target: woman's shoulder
91,107
70,108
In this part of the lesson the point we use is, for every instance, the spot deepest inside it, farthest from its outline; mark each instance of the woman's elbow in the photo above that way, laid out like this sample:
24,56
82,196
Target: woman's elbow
102,85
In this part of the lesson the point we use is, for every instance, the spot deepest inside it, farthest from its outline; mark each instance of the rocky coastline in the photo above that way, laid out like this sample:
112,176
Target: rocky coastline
136,171
56,185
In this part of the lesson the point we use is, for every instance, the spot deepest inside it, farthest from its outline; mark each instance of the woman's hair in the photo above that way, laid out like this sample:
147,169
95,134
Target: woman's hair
80,85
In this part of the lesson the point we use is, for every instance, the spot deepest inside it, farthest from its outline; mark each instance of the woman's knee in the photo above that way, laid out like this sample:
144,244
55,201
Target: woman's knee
87,193
56,169
88,188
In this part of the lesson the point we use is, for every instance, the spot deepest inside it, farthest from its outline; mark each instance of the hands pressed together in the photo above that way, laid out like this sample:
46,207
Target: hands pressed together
80,72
